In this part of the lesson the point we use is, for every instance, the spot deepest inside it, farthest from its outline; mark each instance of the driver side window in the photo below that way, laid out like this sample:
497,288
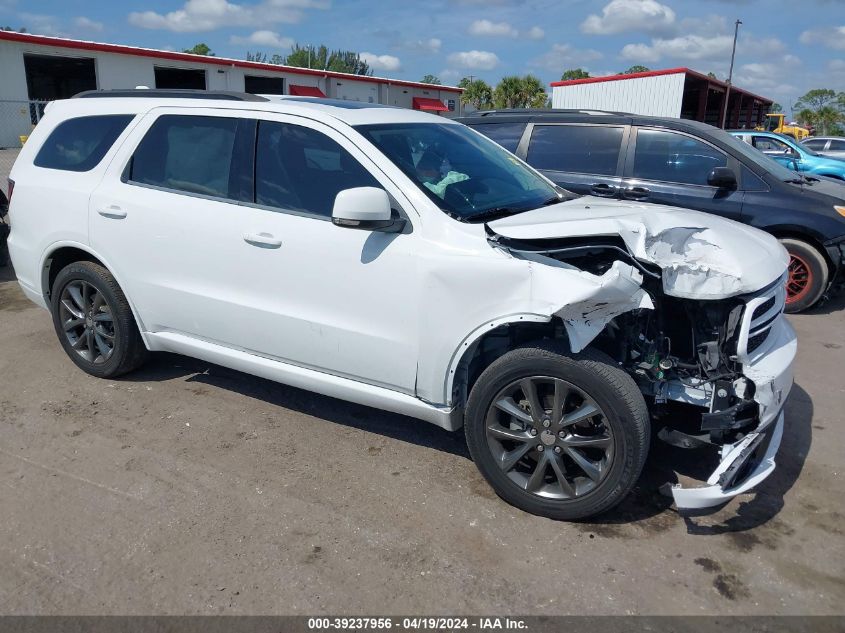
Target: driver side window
671,157
303,170
770,145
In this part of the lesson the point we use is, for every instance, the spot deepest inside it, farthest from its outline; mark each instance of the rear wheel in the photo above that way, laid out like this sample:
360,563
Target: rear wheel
557,434
94,322
808,275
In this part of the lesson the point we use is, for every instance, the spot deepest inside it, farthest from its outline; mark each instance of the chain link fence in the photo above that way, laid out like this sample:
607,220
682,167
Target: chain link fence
17,118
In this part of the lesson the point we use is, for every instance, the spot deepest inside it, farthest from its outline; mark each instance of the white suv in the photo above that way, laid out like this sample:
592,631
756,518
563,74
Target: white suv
403,261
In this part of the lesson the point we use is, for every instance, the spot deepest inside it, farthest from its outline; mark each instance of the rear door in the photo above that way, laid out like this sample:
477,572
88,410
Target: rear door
584,158
671,167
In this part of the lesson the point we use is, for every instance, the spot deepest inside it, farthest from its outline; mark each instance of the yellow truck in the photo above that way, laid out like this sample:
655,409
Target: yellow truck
776,122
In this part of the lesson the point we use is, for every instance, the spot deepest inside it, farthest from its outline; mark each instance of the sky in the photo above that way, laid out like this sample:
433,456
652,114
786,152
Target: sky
785,47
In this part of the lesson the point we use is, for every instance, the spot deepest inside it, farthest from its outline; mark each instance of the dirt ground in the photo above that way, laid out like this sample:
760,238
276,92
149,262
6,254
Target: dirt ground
187,488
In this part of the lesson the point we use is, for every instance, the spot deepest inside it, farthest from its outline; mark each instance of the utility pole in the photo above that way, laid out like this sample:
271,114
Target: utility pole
730,76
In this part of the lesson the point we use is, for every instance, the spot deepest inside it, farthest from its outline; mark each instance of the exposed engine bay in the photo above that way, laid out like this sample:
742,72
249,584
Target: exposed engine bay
677,349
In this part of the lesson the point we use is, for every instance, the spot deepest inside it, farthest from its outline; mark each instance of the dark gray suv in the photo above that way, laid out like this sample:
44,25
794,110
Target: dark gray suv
687,164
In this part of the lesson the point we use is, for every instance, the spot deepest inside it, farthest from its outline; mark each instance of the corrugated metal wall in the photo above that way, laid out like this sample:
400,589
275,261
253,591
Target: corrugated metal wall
653,96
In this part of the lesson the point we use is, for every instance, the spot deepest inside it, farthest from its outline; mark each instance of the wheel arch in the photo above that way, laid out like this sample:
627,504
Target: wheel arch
782,232
490,341
61,254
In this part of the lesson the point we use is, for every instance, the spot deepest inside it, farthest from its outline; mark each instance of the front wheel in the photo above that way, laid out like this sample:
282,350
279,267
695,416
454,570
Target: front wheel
808,275
556,434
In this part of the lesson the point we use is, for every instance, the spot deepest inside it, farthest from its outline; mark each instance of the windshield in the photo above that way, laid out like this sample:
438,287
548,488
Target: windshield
759,158
467,175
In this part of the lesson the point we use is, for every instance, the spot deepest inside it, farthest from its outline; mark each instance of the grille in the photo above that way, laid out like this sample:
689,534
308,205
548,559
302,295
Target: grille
764,309
760,310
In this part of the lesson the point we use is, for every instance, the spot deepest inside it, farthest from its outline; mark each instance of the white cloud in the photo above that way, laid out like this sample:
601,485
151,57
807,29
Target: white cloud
474,60
619,16
493,29
431,45
535,33
87,24
693,48
382,62
208,15
830,36
263,38
767,78
563,56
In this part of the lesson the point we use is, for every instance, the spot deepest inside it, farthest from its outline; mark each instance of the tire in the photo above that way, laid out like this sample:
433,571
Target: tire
808,275
622,427
108,319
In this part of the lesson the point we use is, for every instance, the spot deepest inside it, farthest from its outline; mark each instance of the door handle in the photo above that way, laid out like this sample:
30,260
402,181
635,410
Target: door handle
262,240
112,211
603,190
636,193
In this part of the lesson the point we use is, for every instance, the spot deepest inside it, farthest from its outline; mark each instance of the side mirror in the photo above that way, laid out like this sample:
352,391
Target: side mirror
366,208
722,177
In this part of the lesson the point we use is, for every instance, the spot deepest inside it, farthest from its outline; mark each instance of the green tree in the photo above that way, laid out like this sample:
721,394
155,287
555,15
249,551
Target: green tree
712,75
199,49
635,69
574,73
431,79
816,99
322,58
477,93
776,107
533,92
827,118
508,93
520,92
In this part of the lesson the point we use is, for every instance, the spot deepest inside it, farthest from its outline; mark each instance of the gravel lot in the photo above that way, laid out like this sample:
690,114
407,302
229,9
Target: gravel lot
189,488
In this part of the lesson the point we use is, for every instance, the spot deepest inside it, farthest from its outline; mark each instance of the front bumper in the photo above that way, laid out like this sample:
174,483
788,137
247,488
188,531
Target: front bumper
747,462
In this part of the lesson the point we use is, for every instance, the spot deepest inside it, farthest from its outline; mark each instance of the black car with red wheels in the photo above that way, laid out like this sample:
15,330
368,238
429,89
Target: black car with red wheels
687,164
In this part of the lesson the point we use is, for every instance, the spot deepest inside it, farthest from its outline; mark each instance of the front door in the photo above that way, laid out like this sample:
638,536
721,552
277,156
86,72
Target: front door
215,240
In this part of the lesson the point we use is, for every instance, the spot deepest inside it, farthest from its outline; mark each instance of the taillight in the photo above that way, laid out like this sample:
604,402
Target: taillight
11,189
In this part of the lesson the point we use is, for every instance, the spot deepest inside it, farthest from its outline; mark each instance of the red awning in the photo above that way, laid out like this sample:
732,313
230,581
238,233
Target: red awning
305,91
422,103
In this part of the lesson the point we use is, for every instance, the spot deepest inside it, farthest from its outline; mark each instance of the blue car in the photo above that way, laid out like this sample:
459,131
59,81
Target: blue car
793,155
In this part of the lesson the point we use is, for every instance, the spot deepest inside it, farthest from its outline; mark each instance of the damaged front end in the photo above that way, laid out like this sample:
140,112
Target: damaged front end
728,357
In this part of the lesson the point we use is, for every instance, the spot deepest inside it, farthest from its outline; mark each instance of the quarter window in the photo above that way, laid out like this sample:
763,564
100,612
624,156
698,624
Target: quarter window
300,169
579,149
189,153
507,135
672,157
80,144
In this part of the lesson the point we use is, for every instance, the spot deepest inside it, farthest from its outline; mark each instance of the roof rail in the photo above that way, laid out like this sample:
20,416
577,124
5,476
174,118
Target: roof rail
148,93
549,111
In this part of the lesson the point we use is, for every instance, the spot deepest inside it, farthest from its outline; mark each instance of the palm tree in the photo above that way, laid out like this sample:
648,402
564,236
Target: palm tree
509,93
477,93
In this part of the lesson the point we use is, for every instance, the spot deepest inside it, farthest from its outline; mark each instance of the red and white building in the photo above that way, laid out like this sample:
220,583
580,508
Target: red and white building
674,92
40,68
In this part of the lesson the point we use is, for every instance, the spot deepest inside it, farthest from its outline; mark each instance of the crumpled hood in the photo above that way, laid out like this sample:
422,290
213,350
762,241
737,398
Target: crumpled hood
702,256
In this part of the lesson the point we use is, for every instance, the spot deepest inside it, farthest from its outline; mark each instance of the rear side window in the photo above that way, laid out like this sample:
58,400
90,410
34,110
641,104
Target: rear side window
672,157
300,169
507,135
580,149
80,144
189,153
837,146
